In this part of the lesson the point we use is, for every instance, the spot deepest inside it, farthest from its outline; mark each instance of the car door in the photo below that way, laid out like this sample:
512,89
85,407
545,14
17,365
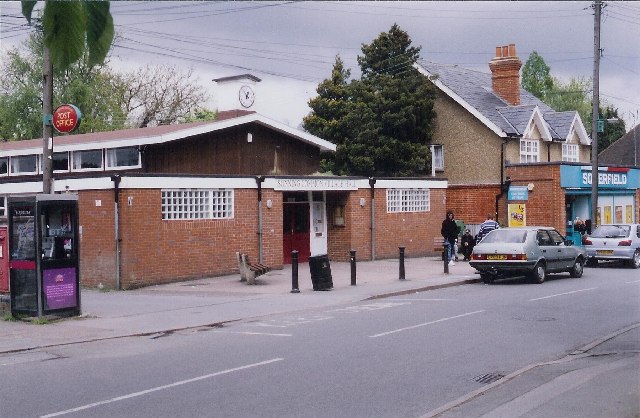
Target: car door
550,252
564,252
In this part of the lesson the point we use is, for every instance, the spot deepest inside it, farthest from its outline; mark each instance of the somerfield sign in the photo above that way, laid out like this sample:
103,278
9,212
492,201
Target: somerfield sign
66,118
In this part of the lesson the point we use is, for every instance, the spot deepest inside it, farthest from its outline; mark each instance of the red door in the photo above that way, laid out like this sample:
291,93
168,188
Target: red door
4,260
295,234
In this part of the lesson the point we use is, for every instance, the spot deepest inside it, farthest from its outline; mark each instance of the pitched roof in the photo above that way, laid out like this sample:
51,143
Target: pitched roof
159,134
473,90
624,151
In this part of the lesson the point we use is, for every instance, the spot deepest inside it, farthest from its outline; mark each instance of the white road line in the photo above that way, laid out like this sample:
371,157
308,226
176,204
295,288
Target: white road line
254,333
171,385
424,324
562,294
635,281
418,299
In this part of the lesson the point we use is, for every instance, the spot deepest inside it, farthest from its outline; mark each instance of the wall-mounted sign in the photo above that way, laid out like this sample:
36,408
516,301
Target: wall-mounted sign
608,177
66,118
315,184
518,193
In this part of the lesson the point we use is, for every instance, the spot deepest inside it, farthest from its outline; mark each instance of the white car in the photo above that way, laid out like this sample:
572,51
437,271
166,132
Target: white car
614,242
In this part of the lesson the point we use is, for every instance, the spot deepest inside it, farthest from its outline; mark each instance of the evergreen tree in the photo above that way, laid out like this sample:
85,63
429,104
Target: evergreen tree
536,77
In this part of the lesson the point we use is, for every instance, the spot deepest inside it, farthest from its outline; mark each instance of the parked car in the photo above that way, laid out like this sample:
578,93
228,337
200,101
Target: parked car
527,251
614,242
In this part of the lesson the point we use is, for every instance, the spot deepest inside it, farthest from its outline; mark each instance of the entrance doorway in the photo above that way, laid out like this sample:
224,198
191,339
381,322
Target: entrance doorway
295,234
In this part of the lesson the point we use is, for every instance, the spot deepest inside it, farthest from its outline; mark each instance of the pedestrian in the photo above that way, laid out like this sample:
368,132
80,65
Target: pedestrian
486,227
468,243
449,232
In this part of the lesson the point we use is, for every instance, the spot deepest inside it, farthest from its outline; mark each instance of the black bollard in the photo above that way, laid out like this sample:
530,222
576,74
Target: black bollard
444,257
353,267
401,262
294,272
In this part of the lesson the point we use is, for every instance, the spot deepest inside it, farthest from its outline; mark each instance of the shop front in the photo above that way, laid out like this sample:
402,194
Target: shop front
617,195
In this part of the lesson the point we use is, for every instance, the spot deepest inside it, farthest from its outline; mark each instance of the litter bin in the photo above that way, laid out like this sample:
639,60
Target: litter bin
320,272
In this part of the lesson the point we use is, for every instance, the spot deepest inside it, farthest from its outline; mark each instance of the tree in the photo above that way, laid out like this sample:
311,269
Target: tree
614,127
106,99
73,27
382,124
160,95
536,78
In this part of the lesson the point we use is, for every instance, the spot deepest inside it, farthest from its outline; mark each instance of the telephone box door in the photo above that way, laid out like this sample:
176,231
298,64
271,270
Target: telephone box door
4,260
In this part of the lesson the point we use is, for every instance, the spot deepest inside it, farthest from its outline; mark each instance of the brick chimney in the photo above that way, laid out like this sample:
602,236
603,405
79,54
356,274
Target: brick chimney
505,74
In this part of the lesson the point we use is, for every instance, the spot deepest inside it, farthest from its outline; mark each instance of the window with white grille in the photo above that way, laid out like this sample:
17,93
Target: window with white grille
408,200
197,204
529,151
570,152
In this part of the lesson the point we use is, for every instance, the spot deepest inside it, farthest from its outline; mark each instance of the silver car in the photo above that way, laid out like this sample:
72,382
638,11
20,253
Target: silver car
530,251
614,242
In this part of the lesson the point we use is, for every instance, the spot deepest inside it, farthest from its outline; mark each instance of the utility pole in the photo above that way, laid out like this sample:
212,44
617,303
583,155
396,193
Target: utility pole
597,5
47,123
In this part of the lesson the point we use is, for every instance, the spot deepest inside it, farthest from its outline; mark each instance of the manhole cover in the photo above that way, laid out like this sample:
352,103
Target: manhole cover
488,378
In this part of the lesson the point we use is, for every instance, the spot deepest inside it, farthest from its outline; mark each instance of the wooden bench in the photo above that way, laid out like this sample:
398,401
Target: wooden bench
250,271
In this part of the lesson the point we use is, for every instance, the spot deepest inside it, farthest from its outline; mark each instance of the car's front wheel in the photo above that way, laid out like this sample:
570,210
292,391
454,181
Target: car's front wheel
577,269
635,261
539,273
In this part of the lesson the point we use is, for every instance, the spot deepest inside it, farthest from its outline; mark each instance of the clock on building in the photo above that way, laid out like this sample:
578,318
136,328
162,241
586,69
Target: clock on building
246,96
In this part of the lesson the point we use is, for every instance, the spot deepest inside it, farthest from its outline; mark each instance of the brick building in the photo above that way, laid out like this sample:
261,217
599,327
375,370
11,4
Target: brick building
505,152
176,202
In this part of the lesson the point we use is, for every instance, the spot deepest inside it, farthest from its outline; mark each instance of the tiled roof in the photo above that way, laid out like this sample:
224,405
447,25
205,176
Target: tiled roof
159,134
475,89
625,151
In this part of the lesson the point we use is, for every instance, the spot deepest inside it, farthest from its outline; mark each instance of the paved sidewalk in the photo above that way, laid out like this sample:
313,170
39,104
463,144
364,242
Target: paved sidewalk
210,301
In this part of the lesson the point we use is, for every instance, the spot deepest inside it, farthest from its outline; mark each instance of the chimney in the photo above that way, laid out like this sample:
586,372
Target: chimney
505,74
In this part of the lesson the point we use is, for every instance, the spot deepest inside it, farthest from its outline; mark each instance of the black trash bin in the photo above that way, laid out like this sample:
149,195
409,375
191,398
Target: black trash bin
320,272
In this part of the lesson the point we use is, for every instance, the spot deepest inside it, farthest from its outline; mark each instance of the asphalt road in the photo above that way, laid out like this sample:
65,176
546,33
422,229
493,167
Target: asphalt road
507,349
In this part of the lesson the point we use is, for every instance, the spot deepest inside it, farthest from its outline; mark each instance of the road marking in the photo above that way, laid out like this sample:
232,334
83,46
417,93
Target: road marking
562,294
424,324
368,307
253,333
158,388
635,281
428,300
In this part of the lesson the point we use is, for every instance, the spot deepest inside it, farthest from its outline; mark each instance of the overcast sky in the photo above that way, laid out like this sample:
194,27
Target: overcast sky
292,46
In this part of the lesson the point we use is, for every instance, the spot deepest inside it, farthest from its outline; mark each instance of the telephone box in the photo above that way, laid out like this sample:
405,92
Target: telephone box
43,255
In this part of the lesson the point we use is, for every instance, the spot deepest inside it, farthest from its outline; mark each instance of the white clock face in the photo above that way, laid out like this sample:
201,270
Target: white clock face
246,96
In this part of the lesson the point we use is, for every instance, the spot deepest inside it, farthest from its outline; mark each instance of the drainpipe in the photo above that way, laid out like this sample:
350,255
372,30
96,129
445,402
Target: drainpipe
372,183
116,194
504,185
259,180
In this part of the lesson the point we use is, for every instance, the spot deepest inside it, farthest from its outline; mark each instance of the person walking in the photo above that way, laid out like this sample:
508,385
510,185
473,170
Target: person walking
467,244
486,227
449,232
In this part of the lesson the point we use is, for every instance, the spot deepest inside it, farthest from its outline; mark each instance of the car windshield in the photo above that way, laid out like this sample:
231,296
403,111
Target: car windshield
611,231
506,235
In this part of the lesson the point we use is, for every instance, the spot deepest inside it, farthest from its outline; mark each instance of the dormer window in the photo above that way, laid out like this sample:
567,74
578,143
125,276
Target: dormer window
529,151
570,152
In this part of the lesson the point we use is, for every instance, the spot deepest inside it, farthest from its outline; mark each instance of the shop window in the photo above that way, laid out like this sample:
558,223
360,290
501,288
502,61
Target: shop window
197,204
24,164
3,208
4,166
87,160
128,157
529,152
408,200
570,152
438,158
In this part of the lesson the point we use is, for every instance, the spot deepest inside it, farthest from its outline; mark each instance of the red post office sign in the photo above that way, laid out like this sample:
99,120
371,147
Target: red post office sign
66,118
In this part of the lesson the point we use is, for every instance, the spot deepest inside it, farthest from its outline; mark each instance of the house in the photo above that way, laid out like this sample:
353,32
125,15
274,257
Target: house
505,152
625,151
176,202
